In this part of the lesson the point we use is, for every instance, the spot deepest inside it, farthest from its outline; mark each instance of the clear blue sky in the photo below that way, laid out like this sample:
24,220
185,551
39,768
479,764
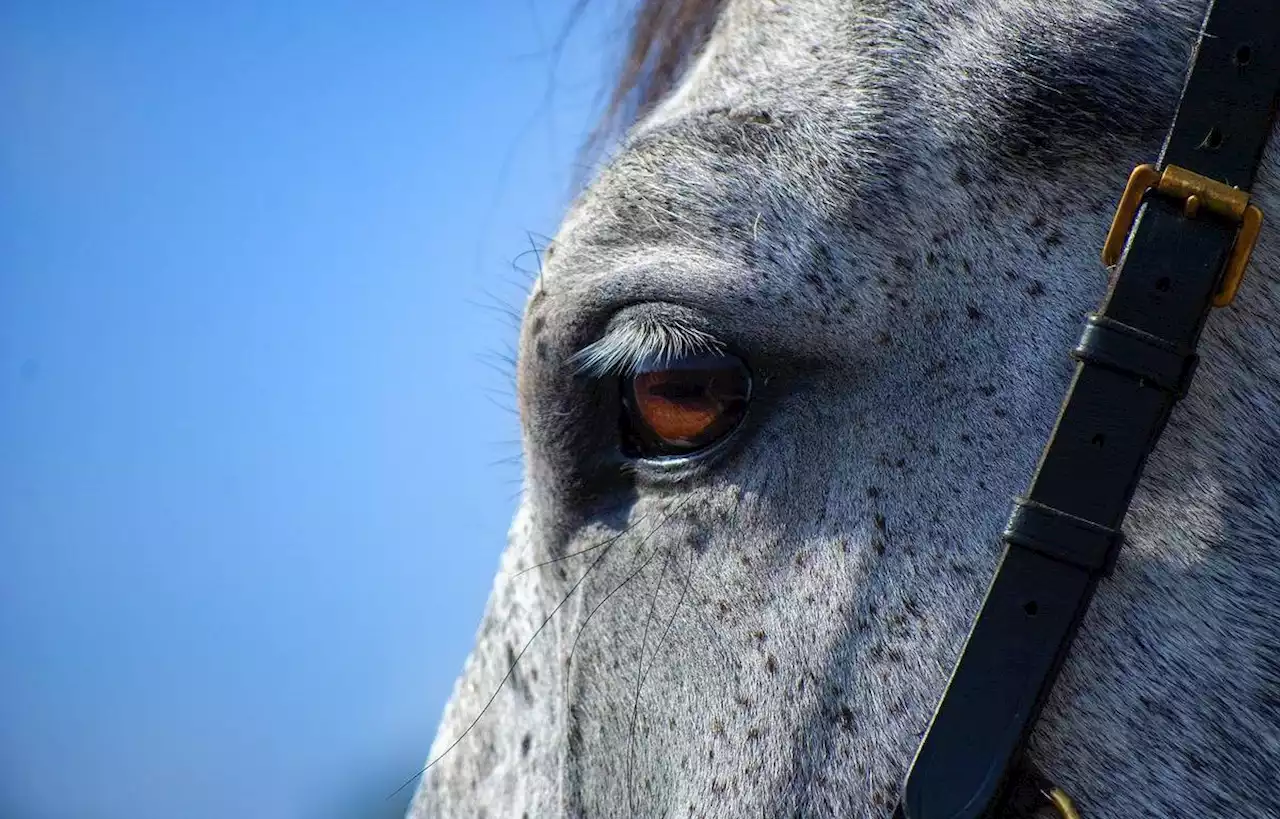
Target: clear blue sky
251,485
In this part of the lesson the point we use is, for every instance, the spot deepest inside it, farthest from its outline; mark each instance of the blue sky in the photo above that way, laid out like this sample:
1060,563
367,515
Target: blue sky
252,477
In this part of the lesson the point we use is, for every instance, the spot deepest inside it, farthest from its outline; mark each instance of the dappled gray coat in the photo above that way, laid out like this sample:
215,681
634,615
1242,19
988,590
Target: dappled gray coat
891,213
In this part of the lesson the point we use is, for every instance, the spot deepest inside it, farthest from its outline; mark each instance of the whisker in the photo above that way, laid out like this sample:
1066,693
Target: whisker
502,366
517,265
430,764
640,676
573,648
703,599
608,542
688,585
495,304
507,408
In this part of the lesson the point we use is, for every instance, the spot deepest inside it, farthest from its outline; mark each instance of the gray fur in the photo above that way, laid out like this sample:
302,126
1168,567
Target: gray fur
892,211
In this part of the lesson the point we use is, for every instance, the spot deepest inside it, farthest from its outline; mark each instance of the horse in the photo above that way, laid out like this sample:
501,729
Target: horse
789,355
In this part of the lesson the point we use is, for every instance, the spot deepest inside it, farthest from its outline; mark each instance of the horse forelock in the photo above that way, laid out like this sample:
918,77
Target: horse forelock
665,37
891,211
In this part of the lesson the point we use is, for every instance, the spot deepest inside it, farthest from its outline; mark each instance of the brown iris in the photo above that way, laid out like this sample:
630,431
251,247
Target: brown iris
683,405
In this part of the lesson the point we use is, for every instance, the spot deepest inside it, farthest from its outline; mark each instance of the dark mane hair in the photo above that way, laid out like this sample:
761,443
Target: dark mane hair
665,37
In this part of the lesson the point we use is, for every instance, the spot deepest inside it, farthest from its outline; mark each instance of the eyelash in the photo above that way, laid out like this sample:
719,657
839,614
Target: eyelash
630,348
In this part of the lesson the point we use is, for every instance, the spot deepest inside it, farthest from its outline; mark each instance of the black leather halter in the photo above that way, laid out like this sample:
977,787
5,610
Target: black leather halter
1186,253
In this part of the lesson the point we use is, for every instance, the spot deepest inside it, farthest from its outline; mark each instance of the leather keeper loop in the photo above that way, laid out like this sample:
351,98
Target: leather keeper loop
1109,343
1056,534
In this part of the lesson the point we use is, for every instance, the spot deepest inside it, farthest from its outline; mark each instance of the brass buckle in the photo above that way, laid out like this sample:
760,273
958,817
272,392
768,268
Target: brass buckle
1062,803
1196,192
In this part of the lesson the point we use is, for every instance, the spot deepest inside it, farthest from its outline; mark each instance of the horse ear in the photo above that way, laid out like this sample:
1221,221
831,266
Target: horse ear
665,37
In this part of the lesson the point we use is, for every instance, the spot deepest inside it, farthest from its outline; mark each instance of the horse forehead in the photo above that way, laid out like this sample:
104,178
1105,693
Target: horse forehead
781,87
765,46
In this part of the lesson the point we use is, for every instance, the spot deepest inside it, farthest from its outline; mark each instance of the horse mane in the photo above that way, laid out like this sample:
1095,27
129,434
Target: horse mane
665,36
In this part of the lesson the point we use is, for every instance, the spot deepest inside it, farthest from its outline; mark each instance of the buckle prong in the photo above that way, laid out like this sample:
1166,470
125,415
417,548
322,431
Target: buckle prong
1197,193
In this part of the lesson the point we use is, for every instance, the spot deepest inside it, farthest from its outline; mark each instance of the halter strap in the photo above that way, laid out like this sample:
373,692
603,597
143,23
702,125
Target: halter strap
1135,360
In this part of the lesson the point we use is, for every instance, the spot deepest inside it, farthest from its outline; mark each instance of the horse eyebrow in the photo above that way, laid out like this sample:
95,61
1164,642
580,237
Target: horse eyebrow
635,342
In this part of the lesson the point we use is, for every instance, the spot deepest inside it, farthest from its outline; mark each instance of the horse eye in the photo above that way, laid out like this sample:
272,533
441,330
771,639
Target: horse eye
682,405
